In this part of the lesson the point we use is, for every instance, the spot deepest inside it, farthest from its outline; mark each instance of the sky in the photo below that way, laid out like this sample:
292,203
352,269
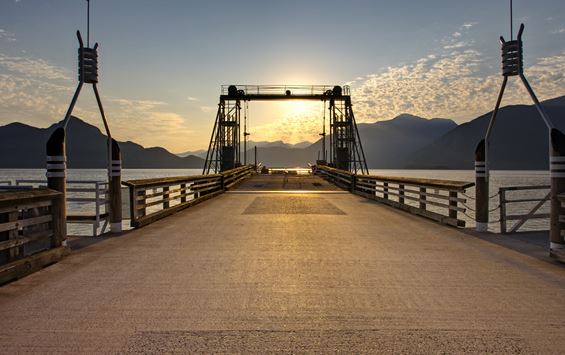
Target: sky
162,63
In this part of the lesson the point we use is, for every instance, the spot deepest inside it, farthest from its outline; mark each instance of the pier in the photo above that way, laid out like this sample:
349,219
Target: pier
245,258
327,271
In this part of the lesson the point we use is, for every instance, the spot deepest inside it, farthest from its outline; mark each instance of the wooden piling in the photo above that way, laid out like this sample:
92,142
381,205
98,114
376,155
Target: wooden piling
557,174
56,180
115,189
481,189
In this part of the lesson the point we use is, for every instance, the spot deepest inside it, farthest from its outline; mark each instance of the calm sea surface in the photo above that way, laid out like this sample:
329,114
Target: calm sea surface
498,179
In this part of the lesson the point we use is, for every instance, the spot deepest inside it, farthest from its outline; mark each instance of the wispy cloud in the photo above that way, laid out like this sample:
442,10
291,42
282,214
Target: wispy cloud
468,25
32,68
208,109
458,82
559,31
6,35
38,93
191,98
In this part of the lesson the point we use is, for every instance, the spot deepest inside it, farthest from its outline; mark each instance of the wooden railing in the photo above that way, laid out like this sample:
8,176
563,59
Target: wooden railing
439,200
153,199
92,193
31,234
530,213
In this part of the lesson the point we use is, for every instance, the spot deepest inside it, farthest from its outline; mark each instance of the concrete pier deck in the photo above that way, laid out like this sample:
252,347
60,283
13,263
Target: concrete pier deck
267,268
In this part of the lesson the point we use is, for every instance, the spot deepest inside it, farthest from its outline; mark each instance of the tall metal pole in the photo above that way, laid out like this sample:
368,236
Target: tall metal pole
511,23
88,23
324,135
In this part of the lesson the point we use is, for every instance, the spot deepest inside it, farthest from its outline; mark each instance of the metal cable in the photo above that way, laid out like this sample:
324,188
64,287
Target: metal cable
468,196
468,216
496,194
494,209
467,207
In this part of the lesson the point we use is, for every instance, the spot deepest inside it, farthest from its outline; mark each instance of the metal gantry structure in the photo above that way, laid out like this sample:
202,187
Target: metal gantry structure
346,150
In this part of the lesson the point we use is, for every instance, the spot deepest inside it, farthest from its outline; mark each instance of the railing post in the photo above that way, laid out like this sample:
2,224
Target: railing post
182,193
222,182
353,183
115,189
385,189
557,174
423,198
453,204
133,205
56,180
401,194
141,211
481,189
502,199
166,195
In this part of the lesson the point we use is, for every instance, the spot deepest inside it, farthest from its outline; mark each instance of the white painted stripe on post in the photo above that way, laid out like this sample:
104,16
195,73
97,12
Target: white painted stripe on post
56,158
113,174
116,162
55,174
480,175
480,163
557,159
556,246
56,166
557,175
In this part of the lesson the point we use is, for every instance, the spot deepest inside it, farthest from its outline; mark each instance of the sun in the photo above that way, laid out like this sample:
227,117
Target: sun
302,108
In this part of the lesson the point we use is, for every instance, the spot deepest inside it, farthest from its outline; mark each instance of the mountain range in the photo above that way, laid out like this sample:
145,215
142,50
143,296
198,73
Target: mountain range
23,146
519,141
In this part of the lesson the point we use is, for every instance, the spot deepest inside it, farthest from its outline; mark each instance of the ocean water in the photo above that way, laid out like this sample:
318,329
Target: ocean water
498,179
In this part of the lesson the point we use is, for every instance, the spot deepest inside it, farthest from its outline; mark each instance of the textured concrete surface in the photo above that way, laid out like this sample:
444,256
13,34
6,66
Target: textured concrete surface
331,273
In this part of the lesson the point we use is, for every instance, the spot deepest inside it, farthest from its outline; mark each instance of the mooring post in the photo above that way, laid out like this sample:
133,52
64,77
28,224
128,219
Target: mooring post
56,180
557,174
481,189
115,189
401,194
255,157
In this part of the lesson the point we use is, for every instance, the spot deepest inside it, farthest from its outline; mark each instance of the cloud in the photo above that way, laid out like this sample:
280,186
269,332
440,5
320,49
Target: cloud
450,87
6,35
208,109
468,25
559,31
38,93
458,82
33,68
190,98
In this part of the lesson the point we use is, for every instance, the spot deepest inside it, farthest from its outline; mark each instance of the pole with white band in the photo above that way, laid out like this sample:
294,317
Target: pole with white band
557,174
115,189
481,189
56,180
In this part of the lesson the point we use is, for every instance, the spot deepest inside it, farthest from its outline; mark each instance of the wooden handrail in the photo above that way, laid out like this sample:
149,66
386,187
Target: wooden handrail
424,195
153,199
29,232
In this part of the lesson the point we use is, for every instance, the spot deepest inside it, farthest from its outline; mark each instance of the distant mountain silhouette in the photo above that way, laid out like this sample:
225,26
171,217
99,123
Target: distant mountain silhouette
250,144
23,146
519,140
387,144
